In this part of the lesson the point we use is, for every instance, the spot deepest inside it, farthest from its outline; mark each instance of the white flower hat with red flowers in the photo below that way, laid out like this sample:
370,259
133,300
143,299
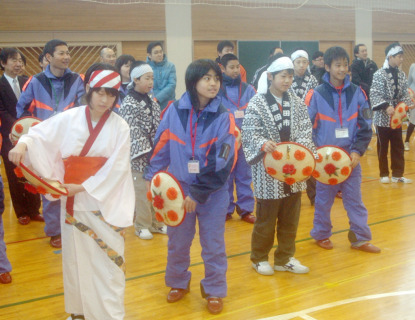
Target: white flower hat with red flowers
21,127
290,163
166,196
36,184
399,115
333,165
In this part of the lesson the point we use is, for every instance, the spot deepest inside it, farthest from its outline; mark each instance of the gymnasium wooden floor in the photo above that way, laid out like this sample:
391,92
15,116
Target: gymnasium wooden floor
342,283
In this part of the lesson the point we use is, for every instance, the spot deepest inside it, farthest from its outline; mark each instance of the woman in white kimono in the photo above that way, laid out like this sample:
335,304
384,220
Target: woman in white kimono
88,148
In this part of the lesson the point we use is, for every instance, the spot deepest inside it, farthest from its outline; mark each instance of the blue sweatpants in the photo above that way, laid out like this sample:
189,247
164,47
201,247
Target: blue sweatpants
51,214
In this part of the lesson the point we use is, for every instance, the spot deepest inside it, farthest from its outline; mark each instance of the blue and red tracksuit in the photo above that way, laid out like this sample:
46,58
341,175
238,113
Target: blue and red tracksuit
43,96
235,96
213,145
333,108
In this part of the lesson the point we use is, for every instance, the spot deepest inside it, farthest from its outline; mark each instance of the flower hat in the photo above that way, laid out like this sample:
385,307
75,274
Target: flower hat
333,165
399,115
21,127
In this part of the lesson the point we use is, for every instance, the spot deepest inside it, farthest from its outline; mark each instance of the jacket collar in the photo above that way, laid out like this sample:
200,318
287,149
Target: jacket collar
213,106
326,80
50,75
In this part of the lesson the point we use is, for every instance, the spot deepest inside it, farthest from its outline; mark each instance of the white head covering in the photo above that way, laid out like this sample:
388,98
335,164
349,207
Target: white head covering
395,50
105,79
299,54
280,64
137,72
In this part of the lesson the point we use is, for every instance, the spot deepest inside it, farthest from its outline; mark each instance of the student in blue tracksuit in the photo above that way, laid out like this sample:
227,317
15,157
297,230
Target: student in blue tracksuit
195,142
235,96
341,116
48,93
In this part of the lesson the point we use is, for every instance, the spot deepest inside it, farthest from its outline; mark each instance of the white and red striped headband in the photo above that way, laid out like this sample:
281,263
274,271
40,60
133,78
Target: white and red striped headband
105,79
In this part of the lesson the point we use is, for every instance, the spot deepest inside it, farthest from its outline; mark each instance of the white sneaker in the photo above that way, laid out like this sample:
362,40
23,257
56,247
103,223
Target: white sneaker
263,268
401,180
406,146
385,180
293,266
162,230
144,234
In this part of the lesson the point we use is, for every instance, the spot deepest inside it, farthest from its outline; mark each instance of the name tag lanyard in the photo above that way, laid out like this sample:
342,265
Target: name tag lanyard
57,98
193,136
239,97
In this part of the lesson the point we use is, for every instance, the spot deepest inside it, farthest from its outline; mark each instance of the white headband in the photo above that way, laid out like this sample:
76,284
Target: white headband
280,64
392,52
137,72
299,54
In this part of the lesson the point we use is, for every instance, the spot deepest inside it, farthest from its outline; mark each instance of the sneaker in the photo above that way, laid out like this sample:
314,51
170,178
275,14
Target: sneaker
384,180
401,180
263,268
162,230
293,266
406,146
144,234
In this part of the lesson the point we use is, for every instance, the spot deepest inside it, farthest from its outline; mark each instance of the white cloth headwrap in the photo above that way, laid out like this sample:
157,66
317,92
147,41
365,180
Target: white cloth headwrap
105,79
299,54
392,52
137,72
280,64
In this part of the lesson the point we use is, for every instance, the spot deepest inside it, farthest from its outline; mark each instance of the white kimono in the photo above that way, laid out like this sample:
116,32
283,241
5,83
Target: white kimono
93,245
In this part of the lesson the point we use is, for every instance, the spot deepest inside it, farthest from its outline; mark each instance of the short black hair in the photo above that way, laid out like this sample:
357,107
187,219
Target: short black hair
100,66
317,54
151,45
226,58
194,72
335,53
40,58
23,58
223,44
271,52
395,44
8,53
122,60
51,45
275,57
356,48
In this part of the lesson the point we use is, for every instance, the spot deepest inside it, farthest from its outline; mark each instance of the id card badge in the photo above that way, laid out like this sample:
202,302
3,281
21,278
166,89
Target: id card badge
342,133
193,166
239,114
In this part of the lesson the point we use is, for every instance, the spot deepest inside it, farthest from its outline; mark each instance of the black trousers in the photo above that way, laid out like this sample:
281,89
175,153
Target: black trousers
386,136
24,202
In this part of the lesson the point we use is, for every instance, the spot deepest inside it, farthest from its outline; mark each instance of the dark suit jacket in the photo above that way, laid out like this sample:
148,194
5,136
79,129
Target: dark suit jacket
8,114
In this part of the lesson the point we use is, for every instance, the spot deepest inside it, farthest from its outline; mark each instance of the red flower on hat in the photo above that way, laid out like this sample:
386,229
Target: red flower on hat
332,181
55,196
336,156
41,190
171,193
172,215
157,181
18,172
316,174
400,109
307,171
345,171
299,155
320,158
149,196
289,169
28,187
289,181
271,171
406,108
277,155
330,169
236,133
395,121
158,202
18,128
159,217
34,123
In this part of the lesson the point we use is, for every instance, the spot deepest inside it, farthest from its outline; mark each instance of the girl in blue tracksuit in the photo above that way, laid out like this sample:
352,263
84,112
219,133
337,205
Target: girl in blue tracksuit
195,142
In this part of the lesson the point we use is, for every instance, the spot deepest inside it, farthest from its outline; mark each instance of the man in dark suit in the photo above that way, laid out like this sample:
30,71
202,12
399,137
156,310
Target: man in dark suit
26,205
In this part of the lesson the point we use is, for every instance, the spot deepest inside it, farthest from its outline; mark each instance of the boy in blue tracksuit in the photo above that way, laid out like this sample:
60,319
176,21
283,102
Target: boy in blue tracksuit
235,96
341,116
195,142
52,91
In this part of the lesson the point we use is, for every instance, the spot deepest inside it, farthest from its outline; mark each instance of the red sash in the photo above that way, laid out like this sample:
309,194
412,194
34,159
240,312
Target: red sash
80,168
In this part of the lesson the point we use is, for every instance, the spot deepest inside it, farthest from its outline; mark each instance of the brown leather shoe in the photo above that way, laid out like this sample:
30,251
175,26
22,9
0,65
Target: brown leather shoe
5,278
228,216
24,220
37,217
176,294
367,247
214,305
248,218
325,244
56,241
339,195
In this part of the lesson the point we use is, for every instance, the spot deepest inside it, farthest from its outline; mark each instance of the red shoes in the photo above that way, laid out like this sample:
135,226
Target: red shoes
38,218
176,294
248,218
325,244
367,247
56,241
214,305
5,278
24,220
